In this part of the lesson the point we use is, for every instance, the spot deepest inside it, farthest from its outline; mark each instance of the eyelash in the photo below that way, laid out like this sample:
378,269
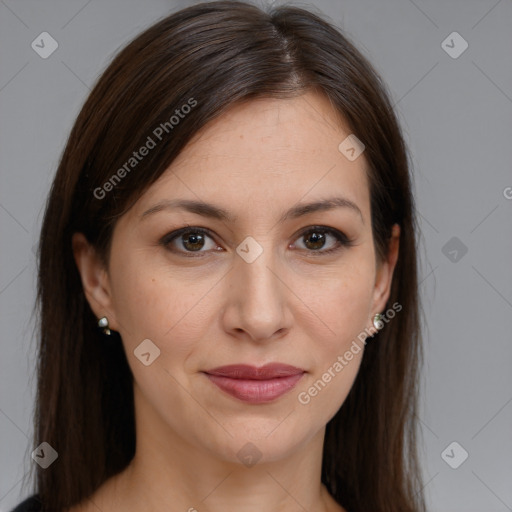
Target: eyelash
342,240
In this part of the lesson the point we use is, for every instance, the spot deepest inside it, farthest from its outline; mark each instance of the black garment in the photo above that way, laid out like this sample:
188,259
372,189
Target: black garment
31,504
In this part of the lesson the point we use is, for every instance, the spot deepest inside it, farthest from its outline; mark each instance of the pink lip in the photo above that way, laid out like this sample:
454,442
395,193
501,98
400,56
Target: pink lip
256,385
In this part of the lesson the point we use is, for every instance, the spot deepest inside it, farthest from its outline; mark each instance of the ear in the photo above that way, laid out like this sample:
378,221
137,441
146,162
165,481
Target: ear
95,279
385,271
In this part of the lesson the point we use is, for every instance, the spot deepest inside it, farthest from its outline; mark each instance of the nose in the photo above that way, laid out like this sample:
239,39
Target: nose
258,305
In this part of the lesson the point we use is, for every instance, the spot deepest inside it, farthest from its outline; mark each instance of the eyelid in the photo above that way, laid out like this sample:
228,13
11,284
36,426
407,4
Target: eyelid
343,241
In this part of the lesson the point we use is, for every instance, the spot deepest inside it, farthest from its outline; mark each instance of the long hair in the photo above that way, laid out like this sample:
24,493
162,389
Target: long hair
210,56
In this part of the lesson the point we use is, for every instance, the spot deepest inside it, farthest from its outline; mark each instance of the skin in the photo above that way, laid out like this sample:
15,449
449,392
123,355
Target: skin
291,305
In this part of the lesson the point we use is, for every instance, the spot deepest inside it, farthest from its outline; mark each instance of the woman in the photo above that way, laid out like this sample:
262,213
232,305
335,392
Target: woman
227,279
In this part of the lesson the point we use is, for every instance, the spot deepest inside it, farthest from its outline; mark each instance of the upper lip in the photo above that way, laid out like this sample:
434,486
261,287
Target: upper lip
244,371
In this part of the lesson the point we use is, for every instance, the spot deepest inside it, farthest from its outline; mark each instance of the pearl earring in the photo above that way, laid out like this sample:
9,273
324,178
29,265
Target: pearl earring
103,324
377,321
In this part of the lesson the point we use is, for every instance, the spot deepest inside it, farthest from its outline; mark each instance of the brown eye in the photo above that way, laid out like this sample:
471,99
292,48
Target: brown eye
188,240
316,238
193,241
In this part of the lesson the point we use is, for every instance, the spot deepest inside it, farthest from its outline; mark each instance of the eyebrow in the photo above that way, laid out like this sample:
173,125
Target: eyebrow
218,213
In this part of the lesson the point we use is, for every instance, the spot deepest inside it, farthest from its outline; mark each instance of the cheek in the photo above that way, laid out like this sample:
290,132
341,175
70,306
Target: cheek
152,304
325,392
343,304
337,356
343,300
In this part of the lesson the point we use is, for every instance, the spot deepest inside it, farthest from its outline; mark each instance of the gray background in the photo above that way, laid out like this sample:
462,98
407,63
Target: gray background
457,117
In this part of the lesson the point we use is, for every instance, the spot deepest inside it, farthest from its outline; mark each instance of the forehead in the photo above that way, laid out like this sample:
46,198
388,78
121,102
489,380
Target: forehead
271,152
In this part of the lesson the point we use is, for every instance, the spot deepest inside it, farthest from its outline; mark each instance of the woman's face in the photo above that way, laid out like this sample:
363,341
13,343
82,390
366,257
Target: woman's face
252,288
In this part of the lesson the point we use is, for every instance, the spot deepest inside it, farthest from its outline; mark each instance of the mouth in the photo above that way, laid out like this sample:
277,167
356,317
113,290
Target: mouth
256,385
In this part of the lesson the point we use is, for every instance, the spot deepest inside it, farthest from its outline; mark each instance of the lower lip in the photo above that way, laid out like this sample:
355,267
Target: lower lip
256,391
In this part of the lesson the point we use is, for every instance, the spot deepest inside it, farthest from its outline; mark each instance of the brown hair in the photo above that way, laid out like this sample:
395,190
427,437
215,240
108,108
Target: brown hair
217,54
